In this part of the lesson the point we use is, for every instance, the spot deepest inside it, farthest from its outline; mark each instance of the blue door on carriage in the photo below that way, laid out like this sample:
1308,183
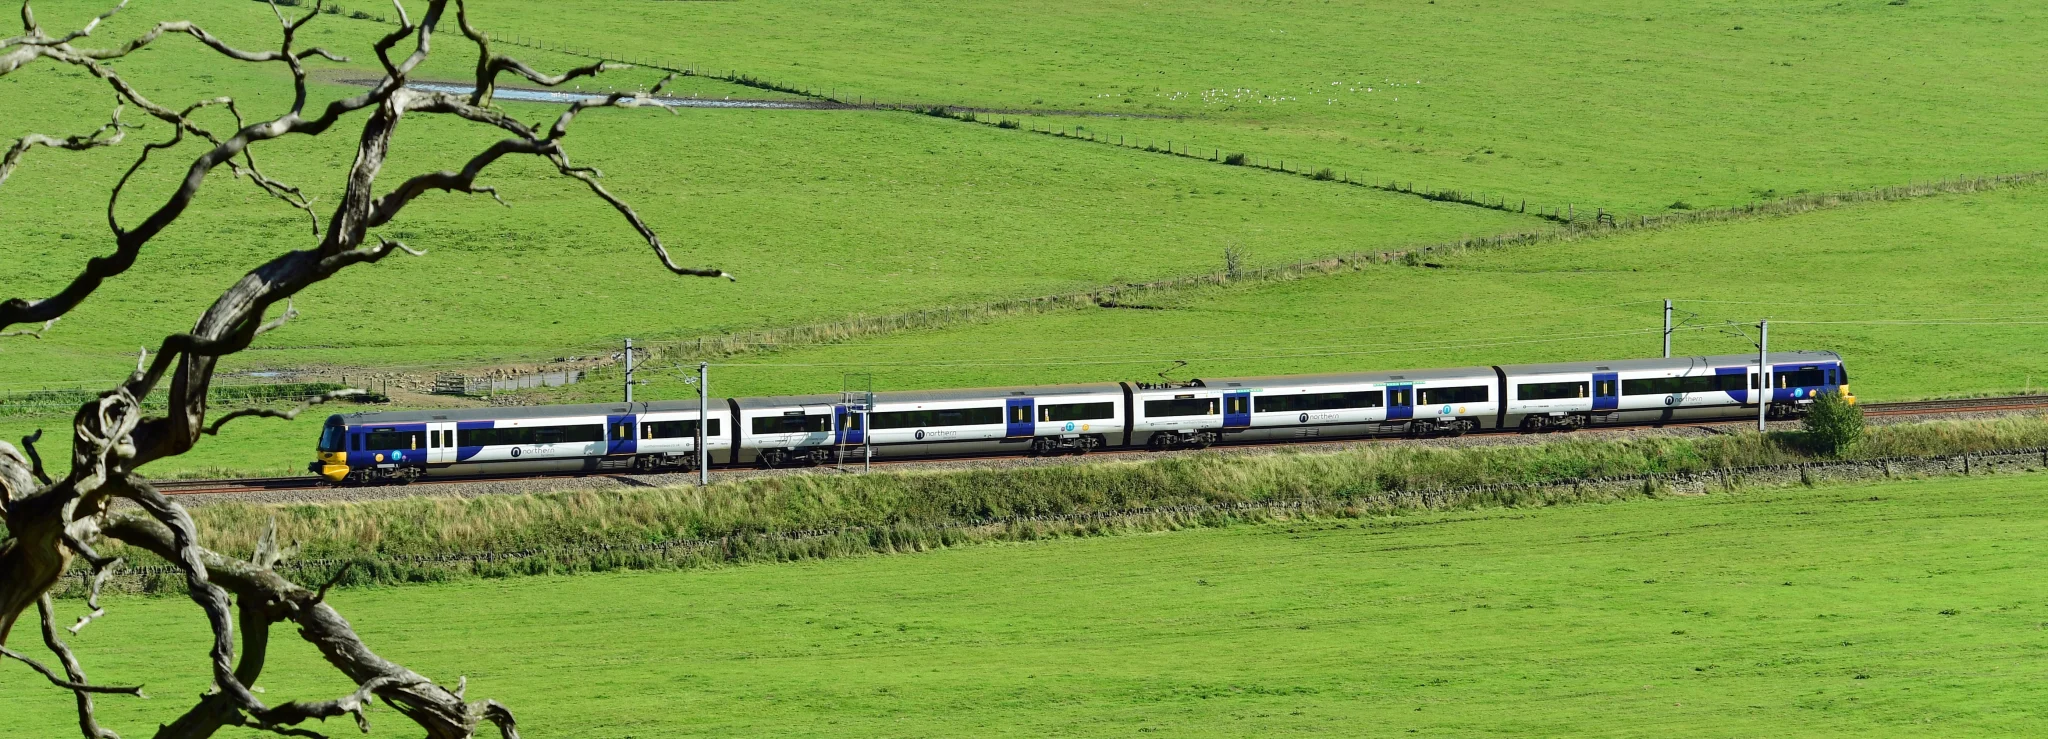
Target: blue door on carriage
1237,410
621,435
1017,418
1606,391
1736,387
848,426
1400,402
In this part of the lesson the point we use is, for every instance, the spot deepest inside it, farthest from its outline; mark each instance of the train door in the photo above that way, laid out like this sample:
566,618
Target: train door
440,443
1400,402
1017,416
1606,391
622,435
848,426
1237,410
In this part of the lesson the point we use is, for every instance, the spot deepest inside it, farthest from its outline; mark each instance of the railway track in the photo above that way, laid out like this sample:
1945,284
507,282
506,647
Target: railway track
1909,408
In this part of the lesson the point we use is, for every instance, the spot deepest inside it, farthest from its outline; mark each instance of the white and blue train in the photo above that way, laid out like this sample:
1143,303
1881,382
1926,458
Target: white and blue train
361,448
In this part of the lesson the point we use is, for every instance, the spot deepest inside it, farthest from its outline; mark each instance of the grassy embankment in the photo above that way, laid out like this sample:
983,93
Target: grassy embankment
1913,279
829,515
1630,106
1925,298
820,213
1902,609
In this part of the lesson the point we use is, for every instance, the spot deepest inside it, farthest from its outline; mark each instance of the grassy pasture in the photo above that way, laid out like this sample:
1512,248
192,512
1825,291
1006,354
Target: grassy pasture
1903,279
1923,269
1899,609
820,214
1629,105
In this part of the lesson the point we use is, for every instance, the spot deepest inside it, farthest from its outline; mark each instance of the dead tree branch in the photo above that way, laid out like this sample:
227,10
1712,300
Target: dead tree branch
107,135
52,522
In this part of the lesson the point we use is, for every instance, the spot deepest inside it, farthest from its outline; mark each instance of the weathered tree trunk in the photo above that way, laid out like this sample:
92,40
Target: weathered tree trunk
53,523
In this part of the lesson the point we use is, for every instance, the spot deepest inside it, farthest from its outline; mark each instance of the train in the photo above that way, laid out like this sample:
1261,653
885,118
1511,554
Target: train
662,436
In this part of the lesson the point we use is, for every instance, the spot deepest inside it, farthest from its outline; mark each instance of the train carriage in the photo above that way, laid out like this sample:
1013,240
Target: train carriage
404,446
1638,391
816,429
1420,402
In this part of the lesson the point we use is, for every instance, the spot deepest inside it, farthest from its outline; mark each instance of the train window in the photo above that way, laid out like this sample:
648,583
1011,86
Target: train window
1236,404
946,417
1454,395
1180,407
388,439
333,438
675,429
1803,378
1020,414
1605,388
1845,374
1317,401
1398,396
1681,385
1550,390
1076,411
792,424
532,435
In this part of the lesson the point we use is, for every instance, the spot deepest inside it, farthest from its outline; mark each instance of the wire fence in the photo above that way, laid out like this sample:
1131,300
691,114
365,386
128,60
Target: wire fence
53,400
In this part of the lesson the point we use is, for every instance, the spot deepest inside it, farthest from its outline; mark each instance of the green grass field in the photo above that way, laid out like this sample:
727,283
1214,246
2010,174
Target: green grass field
1897,609
1927,298
1623,104
820,213
1924,298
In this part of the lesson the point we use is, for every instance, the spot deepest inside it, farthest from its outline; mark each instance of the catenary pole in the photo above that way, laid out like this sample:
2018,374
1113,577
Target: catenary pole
1763,373
629,370
1667,328
704,423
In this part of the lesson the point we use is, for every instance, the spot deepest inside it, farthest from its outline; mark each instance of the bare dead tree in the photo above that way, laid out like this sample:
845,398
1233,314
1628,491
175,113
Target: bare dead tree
53,522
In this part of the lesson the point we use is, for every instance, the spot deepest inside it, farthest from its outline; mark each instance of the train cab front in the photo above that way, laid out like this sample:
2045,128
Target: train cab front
331,463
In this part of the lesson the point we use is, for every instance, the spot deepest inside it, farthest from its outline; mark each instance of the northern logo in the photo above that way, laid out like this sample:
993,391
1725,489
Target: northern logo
920,433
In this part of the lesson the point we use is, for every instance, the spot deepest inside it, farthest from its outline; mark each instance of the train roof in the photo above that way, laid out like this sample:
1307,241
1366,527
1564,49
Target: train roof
1351,378
523,412
938,396
1674,363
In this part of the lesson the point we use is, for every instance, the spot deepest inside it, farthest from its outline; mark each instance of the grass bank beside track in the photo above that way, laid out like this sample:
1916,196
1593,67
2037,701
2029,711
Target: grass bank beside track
1935,296
1927,291
808,516
1899,609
